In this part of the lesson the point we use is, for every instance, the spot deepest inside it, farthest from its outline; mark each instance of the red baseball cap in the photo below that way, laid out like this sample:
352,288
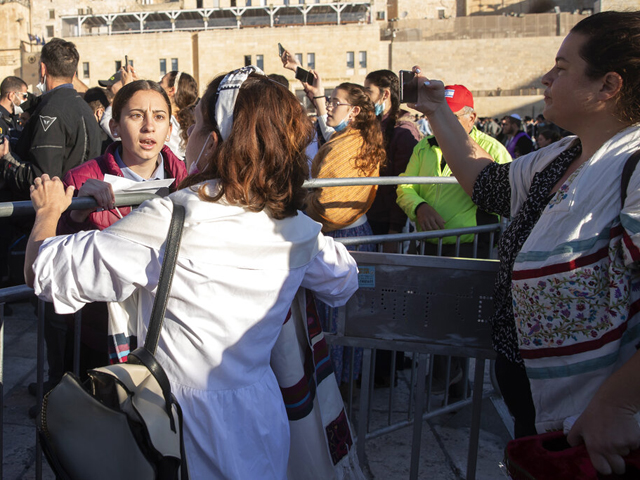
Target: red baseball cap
458,97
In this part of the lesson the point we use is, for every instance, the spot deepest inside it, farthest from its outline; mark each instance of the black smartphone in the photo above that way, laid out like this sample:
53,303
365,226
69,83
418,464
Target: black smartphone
126,62
408,88
305,75
280,49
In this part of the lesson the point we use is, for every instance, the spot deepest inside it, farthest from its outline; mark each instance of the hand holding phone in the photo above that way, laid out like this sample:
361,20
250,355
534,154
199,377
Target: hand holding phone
408,88
305,75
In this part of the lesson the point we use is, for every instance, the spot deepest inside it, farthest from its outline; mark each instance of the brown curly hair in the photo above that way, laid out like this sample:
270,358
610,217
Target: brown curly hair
372,153
263,163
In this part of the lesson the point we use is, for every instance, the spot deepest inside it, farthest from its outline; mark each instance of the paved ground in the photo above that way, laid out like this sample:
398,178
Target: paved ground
443,454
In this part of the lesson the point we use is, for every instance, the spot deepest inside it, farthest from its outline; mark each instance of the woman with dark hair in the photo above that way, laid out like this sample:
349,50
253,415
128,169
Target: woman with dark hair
566,326
245,251
182,90
354,150
401,135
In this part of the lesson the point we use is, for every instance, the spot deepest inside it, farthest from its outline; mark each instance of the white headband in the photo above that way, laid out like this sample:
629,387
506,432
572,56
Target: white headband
177,80
227,94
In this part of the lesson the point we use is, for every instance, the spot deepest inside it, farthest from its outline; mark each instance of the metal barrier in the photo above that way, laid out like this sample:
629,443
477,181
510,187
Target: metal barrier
396,308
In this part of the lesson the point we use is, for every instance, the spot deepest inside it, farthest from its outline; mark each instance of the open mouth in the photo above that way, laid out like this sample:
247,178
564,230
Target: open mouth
147,143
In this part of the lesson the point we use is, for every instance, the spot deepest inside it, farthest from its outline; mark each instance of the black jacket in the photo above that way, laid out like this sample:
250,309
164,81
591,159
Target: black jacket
61,134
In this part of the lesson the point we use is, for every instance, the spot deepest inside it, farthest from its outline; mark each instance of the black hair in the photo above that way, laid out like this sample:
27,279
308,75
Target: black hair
388,79
60,57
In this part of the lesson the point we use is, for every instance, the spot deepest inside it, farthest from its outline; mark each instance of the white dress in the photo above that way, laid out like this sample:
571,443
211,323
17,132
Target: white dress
236,276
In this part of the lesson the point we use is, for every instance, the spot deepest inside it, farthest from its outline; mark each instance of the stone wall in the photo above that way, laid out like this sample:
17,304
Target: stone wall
619,5
205,54
481,64
14,25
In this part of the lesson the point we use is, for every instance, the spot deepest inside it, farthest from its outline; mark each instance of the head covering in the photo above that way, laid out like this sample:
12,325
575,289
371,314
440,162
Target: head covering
516,116
458,97
227,94
115,78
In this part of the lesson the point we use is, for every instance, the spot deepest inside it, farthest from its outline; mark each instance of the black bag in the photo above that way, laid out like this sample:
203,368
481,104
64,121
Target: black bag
123,422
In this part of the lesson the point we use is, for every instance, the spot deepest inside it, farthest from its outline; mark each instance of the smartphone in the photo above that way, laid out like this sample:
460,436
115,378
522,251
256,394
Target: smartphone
280,49
408,89
126,62
305,75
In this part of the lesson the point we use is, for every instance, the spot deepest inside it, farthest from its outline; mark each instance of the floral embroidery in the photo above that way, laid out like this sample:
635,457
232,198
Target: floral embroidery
563,191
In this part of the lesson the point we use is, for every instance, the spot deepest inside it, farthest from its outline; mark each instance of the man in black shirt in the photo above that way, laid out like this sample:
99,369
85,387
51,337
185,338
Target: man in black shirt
61,133
13,93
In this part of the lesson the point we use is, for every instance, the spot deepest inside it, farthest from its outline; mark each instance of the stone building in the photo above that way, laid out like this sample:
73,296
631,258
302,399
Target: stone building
458,41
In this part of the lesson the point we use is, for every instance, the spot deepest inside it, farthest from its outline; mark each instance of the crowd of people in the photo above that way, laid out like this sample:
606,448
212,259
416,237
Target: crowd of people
565,329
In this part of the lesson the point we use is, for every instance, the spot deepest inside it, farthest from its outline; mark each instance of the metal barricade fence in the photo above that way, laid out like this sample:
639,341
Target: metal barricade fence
390,274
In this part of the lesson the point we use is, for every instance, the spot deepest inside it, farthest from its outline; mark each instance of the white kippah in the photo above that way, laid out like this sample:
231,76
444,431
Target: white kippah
227,94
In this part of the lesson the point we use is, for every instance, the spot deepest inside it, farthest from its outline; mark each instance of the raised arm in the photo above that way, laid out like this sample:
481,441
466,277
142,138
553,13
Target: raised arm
465,157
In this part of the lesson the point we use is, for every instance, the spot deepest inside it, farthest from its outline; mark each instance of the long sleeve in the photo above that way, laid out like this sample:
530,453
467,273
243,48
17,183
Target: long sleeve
408,196
17,175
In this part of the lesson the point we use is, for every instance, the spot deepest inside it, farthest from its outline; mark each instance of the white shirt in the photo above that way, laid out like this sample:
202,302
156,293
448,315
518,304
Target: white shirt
236,275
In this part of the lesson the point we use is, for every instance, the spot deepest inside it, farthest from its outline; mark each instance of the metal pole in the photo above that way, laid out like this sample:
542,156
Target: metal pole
474,434
39,380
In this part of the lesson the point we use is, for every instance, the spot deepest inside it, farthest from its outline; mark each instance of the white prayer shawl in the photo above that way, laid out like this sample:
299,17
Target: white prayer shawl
576,289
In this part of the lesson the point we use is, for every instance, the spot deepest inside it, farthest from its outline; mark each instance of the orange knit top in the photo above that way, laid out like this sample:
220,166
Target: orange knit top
339,207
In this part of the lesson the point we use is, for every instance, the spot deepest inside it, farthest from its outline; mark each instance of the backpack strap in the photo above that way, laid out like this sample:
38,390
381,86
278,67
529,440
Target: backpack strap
627,171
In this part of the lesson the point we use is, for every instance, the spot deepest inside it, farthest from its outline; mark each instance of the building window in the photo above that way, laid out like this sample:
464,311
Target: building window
163,66
50,31
247,60
198,3
298,58
52,14
380,15
440,13
174,65
362,59
311,60
260,61
350,60
118,65
85,70
81,11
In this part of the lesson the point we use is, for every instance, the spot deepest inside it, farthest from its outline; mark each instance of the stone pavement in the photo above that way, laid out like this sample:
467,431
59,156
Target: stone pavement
444,445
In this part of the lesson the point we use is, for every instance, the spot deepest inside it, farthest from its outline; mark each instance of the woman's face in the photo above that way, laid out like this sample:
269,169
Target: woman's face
375,93
570,95
144,126
338,108
164,83
199,138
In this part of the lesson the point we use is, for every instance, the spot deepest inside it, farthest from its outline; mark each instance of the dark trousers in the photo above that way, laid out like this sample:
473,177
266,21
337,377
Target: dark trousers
516,391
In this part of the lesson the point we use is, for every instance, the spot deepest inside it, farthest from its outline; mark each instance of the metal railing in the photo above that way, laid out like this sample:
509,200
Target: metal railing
422,353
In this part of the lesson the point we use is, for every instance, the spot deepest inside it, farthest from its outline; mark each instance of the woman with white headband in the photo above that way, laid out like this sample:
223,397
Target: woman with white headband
246,249
182,90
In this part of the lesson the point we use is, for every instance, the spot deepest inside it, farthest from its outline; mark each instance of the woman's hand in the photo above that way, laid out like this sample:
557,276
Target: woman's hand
289,61
430,93
128,74
314,89
48,195
49,199
101,191
609,432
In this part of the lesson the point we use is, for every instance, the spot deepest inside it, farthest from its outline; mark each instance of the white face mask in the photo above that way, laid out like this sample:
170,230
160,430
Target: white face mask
21,99
193,168
42,86
17,110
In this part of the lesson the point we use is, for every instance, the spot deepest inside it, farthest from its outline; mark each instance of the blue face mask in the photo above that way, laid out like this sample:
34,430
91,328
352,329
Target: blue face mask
342,125
380,108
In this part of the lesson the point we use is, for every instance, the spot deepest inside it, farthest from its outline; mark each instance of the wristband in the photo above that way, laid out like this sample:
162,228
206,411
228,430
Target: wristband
320,96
